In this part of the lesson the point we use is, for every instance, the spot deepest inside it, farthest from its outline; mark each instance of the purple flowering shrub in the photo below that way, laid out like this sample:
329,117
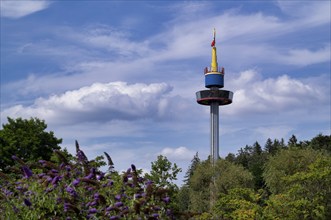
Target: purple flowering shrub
77,189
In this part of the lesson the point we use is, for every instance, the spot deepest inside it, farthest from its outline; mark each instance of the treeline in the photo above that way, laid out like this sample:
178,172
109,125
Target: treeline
39,180
277,181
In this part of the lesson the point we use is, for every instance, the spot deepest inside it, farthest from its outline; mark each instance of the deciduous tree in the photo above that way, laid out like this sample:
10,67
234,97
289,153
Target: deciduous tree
27,139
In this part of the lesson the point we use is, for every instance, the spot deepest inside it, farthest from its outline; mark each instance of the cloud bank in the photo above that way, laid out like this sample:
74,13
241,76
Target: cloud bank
100,102
17,9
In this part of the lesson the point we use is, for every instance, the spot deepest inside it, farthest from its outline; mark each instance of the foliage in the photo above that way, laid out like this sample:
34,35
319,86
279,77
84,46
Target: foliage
199,192
290,182
76,189
230,175
226,175
163,172
321,142
238,203
189,173
38,180
27,139
286,163
308,195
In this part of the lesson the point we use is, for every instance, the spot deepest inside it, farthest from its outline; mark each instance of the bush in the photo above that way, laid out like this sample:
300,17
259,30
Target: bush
74,189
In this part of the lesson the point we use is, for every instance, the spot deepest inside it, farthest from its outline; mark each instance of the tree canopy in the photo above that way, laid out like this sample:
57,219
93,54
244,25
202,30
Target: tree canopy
280,181
27,139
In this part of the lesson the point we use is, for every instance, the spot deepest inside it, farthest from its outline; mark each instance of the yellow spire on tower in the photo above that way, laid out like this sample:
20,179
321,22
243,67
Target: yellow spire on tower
214,64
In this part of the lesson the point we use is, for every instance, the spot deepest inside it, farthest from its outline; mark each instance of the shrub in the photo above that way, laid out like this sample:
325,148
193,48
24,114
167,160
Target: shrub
77,189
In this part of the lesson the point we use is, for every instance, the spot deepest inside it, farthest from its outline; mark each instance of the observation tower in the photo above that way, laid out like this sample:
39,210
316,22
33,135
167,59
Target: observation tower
214,96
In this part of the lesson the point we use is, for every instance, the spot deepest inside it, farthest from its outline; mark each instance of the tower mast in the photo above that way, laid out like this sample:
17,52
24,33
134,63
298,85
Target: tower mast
214,97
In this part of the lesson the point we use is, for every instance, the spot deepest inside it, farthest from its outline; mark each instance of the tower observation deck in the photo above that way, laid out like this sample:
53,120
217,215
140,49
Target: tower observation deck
214,97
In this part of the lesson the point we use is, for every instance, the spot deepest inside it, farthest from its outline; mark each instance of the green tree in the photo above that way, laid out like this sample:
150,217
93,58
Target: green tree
239,203
286,163
229,175
231,158
308,195
189,173
200,187
293,141
219,180
163,172
26,139
321,142
256,165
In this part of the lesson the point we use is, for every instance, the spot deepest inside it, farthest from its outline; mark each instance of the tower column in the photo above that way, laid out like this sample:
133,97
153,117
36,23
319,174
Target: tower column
214,132
214,97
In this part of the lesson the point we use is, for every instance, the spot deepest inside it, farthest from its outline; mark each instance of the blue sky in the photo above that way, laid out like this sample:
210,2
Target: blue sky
121,76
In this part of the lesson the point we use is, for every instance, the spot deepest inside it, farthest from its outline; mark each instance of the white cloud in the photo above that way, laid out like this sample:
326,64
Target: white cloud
100,102
18,9
179,153
311,13
303,57
283,93
274,132
83,53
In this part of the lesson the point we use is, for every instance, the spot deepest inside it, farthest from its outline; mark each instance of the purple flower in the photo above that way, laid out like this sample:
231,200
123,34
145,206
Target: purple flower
155,215
7,192
14,157
101,176
92,210
110,183
66,206
166,199
137,196
54,171
58,200
55,180
27,172
71,191
75,182
49,189
62,165
149,182
133,167
81,156
90,176
27,202
114,217
94,203
19,188
90,189
40,175
68,168
119,204
129,170
96,196
43,162
110,208
118,197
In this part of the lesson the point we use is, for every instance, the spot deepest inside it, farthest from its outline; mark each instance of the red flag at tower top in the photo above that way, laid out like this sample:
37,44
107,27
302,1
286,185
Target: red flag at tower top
213,42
